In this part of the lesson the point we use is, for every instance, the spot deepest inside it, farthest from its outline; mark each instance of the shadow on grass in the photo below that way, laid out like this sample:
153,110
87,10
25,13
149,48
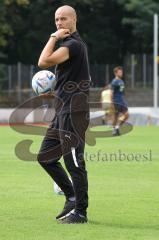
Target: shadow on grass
126,226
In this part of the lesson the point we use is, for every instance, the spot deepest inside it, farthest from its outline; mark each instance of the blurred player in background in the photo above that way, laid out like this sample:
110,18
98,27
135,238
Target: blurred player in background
106,103
118,101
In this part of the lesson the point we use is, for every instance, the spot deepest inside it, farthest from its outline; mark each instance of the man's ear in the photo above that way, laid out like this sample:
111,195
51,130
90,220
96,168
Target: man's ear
75,19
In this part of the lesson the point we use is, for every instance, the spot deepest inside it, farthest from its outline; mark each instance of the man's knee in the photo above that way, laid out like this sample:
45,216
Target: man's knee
43,159
40,158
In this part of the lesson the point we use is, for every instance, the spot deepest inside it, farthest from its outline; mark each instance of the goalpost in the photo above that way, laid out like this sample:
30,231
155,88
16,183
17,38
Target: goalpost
155,72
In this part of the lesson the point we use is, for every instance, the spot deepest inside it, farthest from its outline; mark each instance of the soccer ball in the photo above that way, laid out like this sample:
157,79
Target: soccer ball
43,82
57,189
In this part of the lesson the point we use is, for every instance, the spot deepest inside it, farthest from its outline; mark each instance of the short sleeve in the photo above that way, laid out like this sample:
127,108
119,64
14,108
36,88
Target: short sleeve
73,46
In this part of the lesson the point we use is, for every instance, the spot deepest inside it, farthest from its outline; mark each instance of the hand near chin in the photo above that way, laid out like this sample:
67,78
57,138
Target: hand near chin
62,33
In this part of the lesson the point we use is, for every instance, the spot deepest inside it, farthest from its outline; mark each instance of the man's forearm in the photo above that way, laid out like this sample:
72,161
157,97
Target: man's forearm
47,51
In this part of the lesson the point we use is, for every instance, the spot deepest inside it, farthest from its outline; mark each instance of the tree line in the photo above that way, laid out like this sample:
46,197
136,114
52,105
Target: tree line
111,28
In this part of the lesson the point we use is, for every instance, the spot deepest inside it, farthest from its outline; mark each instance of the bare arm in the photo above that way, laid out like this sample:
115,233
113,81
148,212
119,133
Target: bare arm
111,95
49,57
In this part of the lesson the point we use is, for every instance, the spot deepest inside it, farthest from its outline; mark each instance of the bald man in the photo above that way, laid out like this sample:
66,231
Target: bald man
66,135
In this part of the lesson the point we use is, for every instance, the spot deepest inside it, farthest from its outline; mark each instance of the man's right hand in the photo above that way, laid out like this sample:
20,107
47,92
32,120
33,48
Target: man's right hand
62,33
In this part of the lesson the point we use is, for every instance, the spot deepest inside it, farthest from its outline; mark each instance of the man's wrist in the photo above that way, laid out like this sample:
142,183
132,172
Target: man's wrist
53,35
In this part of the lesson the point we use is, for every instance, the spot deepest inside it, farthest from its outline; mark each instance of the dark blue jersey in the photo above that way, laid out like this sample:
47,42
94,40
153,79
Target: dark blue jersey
118,86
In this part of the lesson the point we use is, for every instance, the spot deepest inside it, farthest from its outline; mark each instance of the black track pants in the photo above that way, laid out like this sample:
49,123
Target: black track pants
66,137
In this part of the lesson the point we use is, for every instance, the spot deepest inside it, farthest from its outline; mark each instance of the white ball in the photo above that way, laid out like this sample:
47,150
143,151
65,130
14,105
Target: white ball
57,189
43,82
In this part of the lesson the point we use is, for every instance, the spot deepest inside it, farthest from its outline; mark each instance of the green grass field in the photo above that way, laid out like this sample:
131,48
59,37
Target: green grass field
123,195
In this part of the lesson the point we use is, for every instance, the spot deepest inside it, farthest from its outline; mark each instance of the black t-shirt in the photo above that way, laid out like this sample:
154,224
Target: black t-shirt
73,77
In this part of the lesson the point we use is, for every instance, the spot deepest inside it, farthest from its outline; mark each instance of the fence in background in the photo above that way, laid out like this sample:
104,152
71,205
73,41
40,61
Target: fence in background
15,80
138,72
